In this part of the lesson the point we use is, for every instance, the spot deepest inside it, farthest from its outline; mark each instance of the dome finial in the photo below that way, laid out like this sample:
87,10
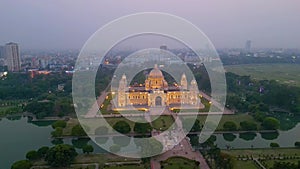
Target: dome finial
156,72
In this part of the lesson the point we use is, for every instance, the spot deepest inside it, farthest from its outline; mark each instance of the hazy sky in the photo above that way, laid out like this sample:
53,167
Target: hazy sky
59,24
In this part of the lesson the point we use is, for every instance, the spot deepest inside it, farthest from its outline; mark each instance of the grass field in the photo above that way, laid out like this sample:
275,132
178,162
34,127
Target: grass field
261,152
270,163
162,122
244,165
101,159
236,118
257,152
126,167
94,123
179,163
283,73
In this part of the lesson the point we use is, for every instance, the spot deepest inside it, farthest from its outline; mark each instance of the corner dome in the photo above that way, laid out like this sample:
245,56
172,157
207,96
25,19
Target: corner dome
155,73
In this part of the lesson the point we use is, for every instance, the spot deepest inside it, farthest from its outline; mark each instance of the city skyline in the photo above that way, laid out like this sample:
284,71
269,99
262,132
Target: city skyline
67,25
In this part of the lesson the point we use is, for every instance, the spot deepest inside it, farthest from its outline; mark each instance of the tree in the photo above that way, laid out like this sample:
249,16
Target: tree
142,128
57,132
122,127
23,164
194,140
78,131
273,145
230,126
259,116
225,161
32,155
43,151
248,125
59,123
196,126
271,123
80,142
87,149
61,155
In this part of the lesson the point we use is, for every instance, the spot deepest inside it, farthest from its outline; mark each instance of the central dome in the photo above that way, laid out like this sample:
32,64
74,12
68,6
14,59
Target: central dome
155,72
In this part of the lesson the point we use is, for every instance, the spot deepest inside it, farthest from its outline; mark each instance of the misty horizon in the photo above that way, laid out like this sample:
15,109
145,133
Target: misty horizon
229,24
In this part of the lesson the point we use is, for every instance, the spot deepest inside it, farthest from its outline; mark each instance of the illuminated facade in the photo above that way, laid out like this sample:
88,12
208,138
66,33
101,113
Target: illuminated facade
157,92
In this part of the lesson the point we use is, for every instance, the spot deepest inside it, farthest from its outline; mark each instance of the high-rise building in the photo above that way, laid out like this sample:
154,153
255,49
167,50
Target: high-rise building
12,56
248,46
1,51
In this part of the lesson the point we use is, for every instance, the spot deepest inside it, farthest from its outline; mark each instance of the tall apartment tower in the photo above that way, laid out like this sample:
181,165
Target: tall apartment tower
248,46
12,56
1,52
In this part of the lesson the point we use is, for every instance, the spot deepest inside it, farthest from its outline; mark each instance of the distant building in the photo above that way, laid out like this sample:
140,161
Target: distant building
248,46
1,51
12,56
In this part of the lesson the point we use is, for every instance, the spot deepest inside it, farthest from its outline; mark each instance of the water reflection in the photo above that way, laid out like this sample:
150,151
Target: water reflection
229,137
247,136
270,136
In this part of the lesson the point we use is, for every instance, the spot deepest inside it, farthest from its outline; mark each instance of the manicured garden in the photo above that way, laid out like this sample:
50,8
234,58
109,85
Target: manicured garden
179,163
162,122
243,158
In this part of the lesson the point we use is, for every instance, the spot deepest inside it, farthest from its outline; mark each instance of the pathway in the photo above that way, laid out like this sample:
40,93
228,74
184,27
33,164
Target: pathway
183,149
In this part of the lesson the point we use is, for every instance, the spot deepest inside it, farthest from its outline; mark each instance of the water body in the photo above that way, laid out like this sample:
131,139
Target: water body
18,136
258,140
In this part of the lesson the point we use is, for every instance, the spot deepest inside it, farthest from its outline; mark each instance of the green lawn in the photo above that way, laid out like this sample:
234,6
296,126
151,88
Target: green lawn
270,163
100,159
244,165
261,152
236,118
97,122
257,152
162,122
207,107
105,108
70,124
126,167
283,73
179,163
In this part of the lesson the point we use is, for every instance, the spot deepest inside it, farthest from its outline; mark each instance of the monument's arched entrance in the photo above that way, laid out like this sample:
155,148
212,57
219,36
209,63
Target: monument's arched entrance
158,101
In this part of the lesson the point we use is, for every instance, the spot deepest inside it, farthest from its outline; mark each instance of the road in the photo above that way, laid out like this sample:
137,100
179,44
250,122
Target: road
183,149
217,104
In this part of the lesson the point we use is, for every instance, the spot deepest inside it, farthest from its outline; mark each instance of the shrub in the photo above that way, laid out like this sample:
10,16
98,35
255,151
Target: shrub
59,123
23,164
271,123
248,125
32,155
230,126
273,145
122,127
78,131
